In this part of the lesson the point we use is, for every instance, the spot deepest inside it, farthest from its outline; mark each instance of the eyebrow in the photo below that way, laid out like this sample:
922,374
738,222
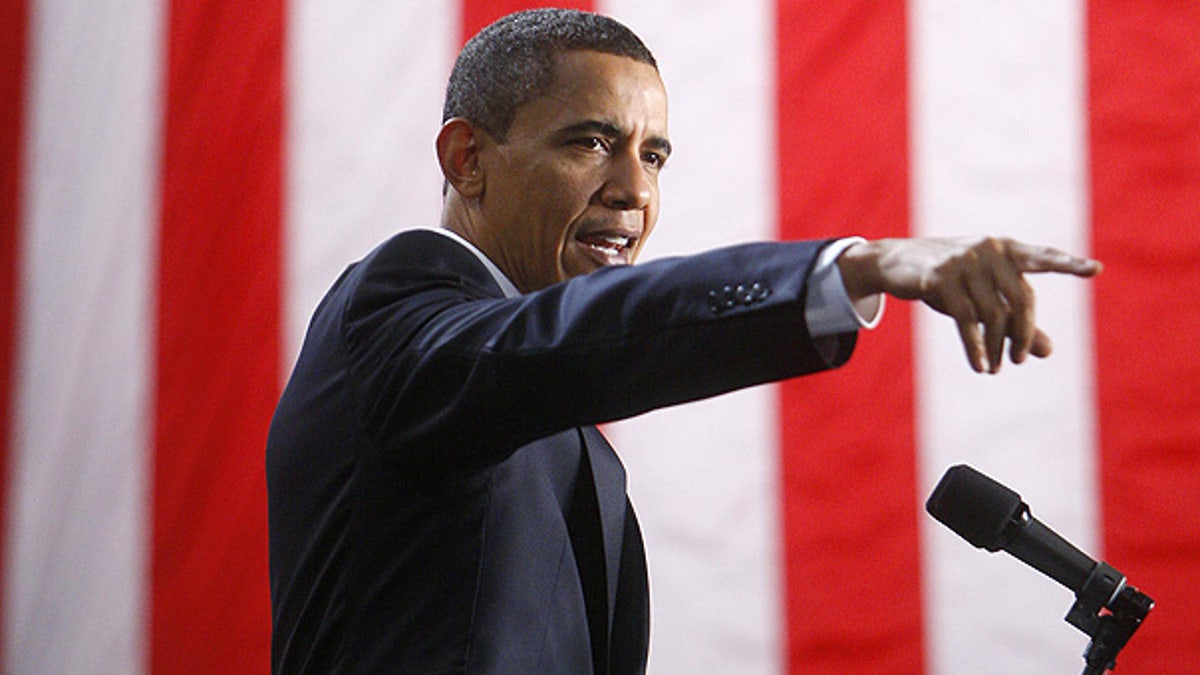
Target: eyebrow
610,130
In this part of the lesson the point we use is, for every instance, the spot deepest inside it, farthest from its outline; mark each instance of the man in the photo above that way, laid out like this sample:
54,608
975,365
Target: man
440,500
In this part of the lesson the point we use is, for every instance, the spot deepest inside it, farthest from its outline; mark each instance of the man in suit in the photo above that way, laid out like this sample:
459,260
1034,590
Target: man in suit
440,500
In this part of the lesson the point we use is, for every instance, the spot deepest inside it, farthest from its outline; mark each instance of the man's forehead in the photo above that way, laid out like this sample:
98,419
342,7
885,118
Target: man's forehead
615,90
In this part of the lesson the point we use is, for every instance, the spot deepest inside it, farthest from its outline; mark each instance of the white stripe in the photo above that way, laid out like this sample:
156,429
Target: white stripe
704,476
998,139
76,564
366,85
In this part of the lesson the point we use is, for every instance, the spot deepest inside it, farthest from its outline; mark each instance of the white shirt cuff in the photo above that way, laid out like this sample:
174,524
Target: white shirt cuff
828,309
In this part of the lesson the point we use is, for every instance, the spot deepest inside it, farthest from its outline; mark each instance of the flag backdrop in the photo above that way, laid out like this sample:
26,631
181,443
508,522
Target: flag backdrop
180,181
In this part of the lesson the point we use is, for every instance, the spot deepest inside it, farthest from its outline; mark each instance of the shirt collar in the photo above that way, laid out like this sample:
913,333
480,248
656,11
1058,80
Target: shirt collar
510,290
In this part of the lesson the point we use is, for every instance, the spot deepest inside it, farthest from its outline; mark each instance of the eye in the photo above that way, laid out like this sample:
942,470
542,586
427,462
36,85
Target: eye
655,160
594,143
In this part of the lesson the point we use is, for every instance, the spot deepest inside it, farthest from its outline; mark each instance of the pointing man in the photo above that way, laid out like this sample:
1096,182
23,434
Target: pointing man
440,499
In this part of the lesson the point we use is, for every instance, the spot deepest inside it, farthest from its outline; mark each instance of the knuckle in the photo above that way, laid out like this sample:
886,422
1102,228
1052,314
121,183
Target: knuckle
989,245
995,315
965,313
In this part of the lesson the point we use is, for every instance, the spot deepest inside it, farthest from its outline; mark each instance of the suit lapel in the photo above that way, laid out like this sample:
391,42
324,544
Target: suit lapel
609,476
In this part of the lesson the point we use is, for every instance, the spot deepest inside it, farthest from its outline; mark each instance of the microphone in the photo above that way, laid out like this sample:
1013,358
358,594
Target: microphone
993,517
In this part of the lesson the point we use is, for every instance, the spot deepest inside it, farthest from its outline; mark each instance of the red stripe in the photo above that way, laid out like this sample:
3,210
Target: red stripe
1144,100
218,335
848,468
14,16
478,13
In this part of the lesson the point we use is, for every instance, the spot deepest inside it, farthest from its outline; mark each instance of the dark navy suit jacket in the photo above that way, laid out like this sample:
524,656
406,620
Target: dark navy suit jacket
440,501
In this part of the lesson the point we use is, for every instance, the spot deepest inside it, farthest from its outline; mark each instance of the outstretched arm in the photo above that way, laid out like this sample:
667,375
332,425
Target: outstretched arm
976,281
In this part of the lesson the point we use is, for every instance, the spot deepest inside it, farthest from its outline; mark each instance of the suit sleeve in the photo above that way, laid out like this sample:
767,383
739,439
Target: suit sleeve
450,374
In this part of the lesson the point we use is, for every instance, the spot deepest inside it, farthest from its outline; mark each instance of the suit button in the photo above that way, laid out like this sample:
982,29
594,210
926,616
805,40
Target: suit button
727,297
714,302
744,294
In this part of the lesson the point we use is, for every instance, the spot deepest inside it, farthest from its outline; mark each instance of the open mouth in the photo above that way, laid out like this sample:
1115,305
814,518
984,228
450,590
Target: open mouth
609,245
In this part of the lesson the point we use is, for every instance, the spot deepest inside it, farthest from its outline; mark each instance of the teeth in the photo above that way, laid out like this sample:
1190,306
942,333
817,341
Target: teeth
610,243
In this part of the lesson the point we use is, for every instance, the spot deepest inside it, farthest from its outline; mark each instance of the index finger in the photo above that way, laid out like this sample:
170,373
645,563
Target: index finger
1031,258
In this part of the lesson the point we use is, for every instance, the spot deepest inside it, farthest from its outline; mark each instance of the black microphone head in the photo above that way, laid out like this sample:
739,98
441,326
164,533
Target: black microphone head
978,508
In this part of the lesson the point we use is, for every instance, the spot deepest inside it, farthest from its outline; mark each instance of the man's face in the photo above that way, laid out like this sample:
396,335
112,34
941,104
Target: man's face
575,185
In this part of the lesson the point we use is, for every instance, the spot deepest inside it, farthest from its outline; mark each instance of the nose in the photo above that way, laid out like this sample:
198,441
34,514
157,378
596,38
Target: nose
629,186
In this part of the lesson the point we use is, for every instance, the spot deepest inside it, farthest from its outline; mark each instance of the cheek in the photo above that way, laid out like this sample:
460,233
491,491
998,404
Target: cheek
559,189
651,219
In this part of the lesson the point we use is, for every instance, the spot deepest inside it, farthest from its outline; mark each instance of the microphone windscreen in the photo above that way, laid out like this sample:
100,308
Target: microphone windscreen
975,506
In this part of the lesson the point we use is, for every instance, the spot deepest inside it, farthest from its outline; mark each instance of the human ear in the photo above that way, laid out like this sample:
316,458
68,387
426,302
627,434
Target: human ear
458,153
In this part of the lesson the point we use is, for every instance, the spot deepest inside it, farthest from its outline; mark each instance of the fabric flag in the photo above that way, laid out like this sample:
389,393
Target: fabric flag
181,180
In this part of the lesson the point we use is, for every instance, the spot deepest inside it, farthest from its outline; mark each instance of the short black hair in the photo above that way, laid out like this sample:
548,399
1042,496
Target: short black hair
510,62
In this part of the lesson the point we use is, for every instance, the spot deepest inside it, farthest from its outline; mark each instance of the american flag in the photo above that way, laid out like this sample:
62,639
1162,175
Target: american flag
180,181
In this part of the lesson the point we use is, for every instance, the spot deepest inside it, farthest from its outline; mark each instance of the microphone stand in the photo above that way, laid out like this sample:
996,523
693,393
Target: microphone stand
1105,589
